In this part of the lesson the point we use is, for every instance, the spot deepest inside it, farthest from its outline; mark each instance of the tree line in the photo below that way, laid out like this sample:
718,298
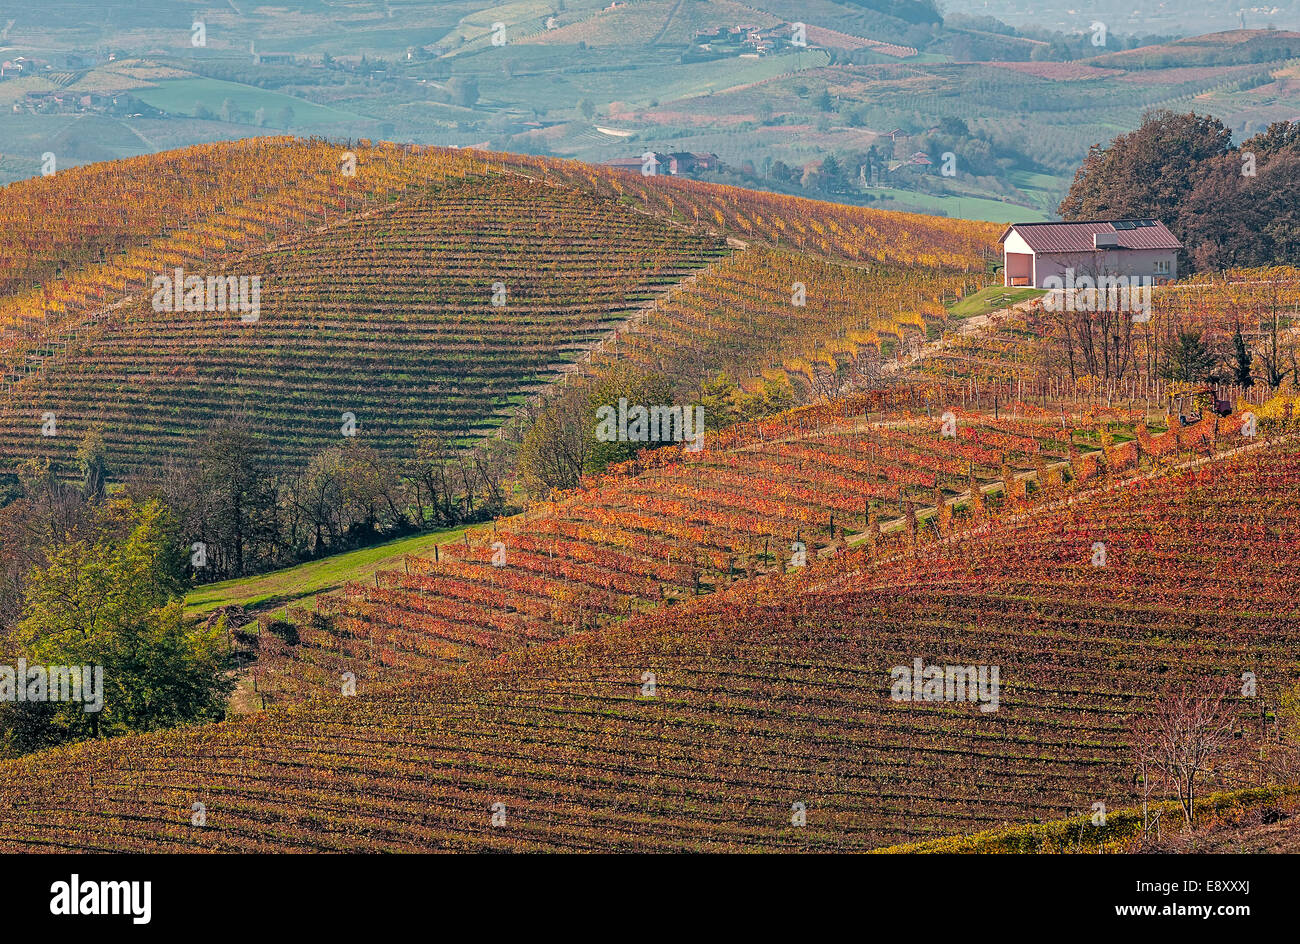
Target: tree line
1230,206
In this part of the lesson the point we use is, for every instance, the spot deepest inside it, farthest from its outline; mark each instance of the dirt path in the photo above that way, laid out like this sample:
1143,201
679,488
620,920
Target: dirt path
667,23
969,326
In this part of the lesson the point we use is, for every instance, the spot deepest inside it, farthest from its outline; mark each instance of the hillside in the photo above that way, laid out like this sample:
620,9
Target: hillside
389,316
472,282
770,87
704,726
672,527
1060,354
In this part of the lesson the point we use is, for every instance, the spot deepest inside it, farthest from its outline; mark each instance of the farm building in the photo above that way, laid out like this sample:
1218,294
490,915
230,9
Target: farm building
679,162
1033,252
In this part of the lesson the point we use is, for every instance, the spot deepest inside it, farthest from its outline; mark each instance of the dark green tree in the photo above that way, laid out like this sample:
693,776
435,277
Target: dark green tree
1190,360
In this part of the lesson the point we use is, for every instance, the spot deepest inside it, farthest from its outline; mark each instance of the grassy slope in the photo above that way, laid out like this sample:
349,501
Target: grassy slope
970,208
295,584
990,299
182,96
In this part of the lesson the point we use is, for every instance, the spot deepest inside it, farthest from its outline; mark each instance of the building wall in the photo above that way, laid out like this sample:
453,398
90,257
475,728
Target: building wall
1128,262
1017,265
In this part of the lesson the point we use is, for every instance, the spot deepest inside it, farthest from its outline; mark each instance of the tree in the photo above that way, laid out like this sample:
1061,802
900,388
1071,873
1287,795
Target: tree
613,384
822,100
368,491
1148,172
1242,359
554,450
1229,206
1183,736
90,456
236,518
112,599
1277,355
726,403
46,515
430,471
1190,360
319,496
587,109
464,91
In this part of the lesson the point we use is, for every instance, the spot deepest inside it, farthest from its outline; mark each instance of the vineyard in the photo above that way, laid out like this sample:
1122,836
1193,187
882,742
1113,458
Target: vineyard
426,290
766,312
391,316
693,649
810,226
1043,353
762,498
91,238
702,727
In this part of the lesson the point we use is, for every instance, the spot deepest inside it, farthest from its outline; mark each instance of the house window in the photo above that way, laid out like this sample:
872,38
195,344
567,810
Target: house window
1162,267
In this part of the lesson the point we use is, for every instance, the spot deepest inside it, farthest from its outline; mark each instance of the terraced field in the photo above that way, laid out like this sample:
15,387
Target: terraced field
766,497
821,325
760,718
1045,353
473,280
392,316
89,236
810,226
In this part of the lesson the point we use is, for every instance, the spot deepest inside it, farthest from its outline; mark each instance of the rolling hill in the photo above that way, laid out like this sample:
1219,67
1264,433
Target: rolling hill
472,281
760,718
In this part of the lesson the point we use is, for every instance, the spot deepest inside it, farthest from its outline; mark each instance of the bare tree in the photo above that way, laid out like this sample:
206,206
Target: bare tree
1183,736
1277,353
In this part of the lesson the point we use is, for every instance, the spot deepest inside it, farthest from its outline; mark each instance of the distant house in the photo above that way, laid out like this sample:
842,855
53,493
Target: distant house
691,162
270,58
679,162
21,66
1033,252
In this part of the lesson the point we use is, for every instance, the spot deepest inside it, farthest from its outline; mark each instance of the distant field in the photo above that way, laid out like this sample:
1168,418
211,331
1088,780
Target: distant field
183,96
968,208
691,81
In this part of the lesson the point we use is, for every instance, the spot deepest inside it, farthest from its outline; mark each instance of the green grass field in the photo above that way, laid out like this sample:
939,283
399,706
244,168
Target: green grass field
968,208
990,299
182,96
299,583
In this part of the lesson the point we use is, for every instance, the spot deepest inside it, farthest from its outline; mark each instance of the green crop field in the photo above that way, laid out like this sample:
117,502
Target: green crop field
183,96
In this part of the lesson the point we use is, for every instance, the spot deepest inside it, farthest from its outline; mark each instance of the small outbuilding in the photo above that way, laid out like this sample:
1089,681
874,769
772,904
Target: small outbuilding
1033,252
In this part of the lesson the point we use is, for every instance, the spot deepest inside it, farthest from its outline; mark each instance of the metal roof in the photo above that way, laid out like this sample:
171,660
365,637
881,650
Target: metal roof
1078,237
